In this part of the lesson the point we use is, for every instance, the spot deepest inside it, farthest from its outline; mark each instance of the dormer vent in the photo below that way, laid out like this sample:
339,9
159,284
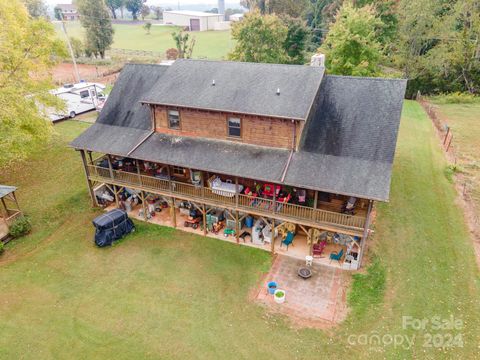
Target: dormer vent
278,91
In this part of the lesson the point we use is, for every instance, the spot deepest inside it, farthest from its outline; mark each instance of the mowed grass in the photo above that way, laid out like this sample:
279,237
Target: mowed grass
162,293
208,44
464,120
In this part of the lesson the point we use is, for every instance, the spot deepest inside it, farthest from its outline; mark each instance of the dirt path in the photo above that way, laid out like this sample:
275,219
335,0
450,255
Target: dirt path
64,73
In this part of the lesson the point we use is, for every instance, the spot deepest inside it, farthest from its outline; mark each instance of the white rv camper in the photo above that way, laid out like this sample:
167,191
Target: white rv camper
79,98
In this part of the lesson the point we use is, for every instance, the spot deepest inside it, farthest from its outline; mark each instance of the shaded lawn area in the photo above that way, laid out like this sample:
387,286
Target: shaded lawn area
208,44
162,293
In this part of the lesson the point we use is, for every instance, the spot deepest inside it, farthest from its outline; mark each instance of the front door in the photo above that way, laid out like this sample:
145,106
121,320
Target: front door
194,24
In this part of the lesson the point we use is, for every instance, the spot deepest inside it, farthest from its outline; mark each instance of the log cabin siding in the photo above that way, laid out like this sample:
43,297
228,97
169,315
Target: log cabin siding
256,130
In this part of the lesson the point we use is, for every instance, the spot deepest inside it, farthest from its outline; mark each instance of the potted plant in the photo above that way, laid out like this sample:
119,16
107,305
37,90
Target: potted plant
279,296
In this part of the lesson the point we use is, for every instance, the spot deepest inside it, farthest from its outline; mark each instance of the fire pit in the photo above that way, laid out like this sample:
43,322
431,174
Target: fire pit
304,273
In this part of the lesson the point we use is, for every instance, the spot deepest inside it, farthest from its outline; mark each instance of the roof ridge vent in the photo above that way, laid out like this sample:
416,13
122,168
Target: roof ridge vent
278,91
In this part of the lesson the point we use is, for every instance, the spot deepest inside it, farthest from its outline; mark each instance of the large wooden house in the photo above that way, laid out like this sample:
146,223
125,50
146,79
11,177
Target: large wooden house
245,150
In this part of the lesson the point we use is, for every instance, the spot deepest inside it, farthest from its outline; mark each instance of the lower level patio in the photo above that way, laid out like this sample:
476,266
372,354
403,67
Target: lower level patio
298,249
319,301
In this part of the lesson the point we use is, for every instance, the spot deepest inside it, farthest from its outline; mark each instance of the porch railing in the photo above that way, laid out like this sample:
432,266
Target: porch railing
244,202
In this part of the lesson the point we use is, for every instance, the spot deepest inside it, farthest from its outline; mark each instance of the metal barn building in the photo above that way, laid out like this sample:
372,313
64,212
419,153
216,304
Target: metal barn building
194,20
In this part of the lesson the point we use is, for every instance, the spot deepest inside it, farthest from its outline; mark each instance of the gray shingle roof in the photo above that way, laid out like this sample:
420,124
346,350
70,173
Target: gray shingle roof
6,189
347,146
350,140
239,87
219,156
123,107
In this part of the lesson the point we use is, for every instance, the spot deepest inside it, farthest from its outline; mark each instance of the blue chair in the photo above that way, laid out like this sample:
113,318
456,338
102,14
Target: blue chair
336,255
288,240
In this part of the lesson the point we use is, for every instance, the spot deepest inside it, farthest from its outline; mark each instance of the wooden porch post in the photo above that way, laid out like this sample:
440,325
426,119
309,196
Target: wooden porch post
110,168
89,183
173,212
315,199
274,210
204,214
5,208
137,163
116,190
144,205
365,233
273,235
90,157
16,201
310,240
237,228
236,192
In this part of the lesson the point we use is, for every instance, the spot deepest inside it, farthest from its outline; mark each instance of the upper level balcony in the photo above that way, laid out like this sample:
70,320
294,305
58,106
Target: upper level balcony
244,195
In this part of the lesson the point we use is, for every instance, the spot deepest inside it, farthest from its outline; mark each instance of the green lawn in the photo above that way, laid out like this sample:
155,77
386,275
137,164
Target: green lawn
464,120
208,44
166,294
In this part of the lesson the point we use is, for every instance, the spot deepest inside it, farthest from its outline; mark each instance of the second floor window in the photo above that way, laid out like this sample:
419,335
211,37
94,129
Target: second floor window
174,119
234,126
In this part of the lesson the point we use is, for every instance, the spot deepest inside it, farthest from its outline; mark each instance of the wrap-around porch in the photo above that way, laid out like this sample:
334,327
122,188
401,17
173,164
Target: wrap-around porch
323,223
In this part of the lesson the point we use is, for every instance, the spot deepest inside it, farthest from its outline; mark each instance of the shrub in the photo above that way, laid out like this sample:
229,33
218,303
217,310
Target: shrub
450,171
455,98
2,247
20,227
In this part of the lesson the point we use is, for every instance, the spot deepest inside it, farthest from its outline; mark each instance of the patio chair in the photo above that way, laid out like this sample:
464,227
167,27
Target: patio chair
318,249
336,255
288,240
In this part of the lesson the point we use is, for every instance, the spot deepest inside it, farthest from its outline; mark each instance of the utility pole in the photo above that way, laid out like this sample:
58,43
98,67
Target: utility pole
77,75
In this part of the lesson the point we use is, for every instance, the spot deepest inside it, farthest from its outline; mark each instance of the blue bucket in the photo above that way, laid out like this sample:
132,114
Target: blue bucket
272,286
249,221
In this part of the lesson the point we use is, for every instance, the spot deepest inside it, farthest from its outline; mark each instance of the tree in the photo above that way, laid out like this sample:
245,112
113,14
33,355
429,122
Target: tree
456,57
94,17
144,11
77,47
157,11
293,8
259,38
319,16
25,80
114,5
58,13
417,36
387,12
295,43
269,39
351,46
147,26
36,8
184,44
134,6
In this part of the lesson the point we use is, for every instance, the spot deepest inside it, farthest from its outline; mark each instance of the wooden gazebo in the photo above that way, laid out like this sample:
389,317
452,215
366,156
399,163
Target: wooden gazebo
9,209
